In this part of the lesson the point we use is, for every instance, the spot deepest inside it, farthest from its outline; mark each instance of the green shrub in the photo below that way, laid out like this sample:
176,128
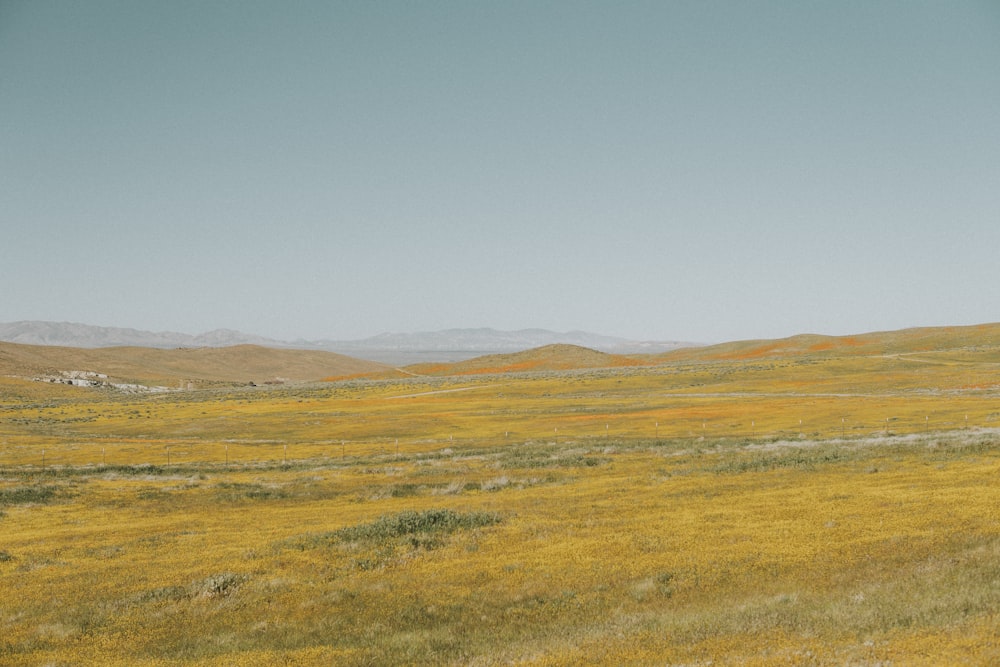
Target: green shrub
27,494
409,523
418,530
235,491
790,458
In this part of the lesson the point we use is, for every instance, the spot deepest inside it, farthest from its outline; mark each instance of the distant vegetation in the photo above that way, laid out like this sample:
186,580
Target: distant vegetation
807,501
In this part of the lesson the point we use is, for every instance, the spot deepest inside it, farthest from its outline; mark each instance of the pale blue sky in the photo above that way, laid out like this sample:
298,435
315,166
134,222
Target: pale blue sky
701,171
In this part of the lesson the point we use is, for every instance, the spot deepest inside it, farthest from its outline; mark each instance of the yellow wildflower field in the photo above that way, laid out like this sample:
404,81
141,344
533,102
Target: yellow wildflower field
830,510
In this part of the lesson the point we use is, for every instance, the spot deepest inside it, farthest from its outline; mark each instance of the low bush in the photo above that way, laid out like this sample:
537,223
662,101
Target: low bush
21,495
235,491
435,521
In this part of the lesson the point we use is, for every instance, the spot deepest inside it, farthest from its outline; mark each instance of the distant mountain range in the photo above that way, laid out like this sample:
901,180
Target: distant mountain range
73,334
392,348
460,344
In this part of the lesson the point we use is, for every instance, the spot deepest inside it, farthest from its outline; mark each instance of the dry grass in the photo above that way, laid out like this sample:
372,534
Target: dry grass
546,358
203,366
672,514
657,554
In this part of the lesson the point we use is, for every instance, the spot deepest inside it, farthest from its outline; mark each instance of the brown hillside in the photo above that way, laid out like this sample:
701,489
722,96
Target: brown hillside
546,358
981,337
151,366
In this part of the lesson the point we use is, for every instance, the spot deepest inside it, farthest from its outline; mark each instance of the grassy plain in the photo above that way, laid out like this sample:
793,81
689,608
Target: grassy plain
827,507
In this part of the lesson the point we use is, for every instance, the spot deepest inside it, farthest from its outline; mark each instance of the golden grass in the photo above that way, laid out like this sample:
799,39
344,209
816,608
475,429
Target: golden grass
723,511
654,554
814,397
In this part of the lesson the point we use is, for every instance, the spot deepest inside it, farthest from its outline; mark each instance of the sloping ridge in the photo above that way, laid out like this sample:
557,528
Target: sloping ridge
152,366
904,341
555,357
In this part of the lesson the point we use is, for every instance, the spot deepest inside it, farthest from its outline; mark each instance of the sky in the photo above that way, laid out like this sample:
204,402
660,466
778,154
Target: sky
700,171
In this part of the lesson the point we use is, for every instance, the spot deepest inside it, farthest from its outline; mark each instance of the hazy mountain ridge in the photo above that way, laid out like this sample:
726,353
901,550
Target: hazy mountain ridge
396,348
463,343
75,334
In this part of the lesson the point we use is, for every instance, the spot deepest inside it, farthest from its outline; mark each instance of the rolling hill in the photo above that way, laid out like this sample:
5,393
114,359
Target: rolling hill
558,357
253,363
454,345
153,366
983,341
979,338
397,349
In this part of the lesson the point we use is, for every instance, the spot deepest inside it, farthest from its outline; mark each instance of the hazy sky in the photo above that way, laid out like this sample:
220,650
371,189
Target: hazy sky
700,171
